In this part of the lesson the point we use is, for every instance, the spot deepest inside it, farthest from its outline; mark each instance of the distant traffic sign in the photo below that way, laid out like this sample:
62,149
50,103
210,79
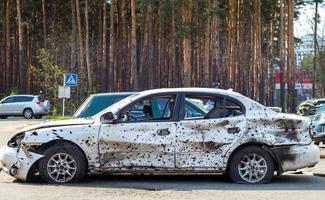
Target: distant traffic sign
64,92
71,80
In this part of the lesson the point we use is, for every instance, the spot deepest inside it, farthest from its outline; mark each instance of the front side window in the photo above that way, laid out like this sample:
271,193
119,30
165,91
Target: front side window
154,108
9,100
210,107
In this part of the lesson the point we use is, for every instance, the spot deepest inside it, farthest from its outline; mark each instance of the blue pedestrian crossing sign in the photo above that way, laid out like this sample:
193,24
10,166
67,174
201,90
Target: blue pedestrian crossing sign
71,80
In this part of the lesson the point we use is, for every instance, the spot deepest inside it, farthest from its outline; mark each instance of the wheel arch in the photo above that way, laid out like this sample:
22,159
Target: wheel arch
27,108
264,146
40,150
51,143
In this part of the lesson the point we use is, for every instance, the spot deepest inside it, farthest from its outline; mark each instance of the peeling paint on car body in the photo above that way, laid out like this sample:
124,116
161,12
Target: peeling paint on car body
186,145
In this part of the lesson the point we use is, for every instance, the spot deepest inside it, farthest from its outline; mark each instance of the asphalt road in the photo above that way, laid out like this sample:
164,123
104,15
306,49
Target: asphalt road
288,186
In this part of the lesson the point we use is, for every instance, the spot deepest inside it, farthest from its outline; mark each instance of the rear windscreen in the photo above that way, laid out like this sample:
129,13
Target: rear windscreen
40,99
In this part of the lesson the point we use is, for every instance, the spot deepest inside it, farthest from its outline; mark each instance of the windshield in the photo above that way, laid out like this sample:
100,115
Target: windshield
117,104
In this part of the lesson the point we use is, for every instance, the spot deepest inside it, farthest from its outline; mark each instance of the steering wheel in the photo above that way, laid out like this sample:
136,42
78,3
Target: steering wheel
126,116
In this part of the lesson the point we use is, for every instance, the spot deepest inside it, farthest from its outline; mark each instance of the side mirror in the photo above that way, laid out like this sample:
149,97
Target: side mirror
107,118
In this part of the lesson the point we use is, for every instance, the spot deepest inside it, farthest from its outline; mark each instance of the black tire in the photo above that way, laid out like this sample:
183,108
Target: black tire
63,148
235,163
3,117
317,143
38,116
28,113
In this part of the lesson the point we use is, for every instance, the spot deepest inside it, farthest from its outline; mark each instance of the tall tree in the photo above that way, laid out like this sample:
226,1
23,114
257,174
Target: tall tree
291,58
20,53
89,72
315,49
5,46
44,8
81,66
282,52
134,71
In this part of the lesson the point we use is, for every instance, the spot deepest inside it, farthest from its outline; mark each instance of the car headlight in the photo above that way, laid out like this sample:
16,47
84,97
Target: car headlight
16,140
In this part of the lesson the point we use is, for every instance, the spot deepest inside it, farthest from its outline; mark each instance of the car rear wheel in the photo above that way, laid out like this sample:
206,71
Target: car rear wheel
63,163
38,116
28,113
251,164
3,116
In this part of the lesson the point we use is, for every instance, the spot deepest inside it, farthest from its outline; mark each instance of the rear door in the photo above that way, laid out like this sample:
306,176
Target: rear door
143,137
20,103
207,130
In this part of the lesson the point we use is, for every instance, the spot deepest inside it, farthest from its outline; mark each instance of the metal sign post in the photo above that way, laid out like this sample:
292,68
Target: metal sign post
63,100
69,80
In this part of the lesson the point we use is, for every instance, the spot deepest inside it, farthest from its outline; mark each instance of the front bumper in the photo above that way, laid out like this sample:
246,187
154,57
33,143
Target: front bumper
291,158
15,162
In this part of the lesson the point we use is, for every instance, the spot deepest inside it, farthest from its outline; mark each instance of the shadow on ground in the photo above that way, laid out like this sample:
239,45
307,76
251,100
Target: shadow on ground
192,182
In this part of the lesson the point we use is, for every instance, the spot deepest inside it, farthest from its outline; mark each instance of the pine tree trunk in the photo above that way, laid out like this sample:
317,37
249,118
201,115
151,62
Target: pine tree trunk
5,47
134,71
315,50
81,67
112,45
20,55
89,74
99,71
282,54
44,23
291,58
187,56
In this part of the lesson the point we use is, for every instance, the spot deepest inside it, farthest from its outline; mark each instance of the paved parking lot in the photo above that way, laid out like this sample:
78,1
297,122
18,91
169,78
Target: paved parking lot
289,186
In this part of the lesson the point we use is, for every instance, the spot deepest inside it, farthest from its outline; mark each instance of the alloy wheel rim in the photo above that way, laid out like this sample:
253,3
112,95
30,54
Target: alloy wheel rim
28,114
252,168
61,167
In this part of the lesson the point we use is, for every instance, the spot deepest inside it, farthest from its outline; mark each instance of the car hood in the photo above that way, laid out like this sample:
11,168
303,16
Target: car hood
56,124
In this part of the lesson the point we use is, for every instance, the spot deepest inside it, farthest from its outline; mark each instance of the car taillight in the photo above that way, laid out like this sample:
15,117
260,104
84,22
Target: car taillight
38,103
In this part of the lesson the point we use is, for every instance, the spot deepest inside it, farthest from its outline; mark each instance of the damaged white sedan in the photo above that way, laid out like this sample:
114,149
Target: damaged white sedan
166,131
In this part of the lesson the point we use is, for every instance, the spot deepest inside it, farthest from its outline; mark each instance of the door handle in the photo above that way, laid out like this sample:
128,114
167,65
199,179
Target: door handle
163,132
233,130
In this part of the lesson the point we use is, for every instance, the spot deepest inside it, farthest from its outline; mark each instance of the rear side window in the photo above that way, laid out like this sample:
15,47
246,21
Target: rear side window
23,99
40,99
211,107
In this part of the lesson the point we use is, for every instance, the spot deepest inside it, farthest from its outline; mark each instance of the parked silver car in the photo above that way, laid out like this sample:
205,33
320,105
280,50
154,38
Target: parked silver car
28,106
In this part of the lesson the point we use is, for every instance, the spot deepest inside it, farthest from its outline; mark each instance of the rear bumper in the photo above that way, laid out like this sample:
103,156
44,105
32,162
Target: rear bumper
14,162
291,158
40,111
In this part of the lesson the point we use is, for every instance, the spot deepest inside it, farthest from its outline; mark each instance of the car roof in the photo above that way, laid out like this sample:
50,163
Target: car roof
112,94
189,89
23,95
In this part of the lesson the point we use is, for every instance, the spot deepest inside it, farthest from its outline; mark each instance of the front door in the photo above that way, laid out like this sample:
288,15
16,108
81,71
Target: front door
211,124
7,106
143,136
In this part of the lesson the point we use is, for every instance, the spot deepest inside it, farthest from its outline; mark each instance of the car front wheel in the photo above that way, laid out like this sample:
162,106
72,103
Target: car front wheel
3,116
63,163
251,164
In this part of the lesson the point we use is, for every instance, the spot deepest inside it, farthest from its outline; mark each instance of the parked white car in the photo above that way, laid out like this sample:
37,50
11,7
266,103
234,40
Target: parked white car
28,106
166,131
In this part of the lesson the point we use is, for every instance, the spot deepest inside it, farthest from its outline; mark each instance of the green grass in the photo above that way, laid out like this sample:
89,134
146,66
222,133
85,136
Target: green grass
59,117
